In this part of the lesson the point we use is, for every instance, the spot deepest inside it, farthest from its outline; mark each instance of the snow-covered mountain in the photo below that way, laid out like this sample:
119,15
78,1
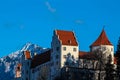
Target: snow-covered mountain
8,63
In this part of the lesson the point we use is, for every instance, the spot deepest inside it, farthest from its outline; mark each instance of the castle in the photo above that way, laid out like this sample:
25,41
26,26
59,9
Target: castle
65,53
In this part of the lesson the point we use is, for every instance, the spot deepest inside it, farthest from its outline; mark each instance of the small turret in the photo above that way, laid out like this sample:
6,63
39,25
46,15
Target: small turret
105,46
26,63
101,40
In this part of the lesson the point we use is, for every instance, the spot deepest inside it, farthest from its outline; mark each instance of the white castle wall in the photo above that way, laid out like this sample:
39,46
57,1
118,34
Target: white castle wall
69,49
107,50
58,54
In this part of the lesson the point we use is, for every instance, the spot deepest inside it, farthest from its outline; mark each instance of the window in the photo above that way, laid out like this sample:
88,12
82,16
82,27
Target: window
28,63
27,72
57,49
64,48
33,71
52,50
26,78
104,48
57,56
74,49
64,56
57,63
52,63
111,49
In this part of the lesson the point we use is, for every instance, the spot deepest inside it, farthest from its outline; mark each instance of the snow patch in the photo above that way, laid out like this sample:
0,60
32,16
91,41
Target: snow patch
7,65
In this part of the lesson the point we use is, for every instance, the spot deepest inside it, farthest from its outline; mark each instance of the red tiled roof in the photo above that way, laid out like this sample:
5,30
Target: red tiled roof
67,37
82,54
27,54
86,55
40,59
102,40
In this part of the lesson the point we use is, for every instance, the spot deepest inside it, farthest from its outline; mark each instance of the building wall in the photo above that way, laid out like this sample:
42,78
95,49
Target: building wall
25,68
68,50
107,50
58,59
88,63
55,55
41,71
58,54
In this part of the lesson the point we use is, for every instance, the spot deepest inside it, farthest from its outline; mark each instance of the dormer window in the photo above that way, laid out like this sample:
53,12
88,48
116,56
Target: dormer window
69,41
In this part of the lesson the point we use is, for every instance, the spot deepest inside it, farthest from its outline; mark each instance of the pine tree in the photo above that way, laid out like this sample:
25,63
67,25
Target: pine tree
117,55
118,52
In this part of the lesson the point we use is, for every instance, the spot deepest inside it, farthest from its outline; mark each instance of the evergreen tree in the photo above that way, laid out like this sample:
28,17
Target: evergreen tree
118,57
118,49
118,52
110,71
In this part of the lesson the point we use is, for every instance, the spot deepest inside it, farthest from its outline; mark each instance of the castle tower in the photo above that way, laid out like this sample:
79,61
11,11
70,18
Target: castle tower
26,63
105,46
63,44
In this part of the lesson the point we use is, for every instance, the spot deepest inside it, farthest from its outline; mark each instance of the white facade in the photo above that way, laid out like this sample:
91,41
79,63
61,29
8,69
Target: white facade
59,52
59,55
73,50
107,51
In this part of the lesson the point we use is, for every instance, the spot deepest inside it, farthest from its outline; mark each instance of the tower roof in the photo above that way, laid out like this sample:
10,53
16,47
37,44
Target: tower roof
102,40
66,37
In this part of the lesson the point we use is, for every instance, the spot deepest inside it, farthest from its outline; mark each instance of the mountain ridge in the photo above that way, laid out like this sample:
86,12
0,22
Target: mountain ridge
8,63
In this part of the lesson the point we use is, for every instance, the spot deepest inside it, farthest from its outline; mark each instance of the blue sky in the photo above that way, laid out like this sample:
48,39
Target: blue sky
23,21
